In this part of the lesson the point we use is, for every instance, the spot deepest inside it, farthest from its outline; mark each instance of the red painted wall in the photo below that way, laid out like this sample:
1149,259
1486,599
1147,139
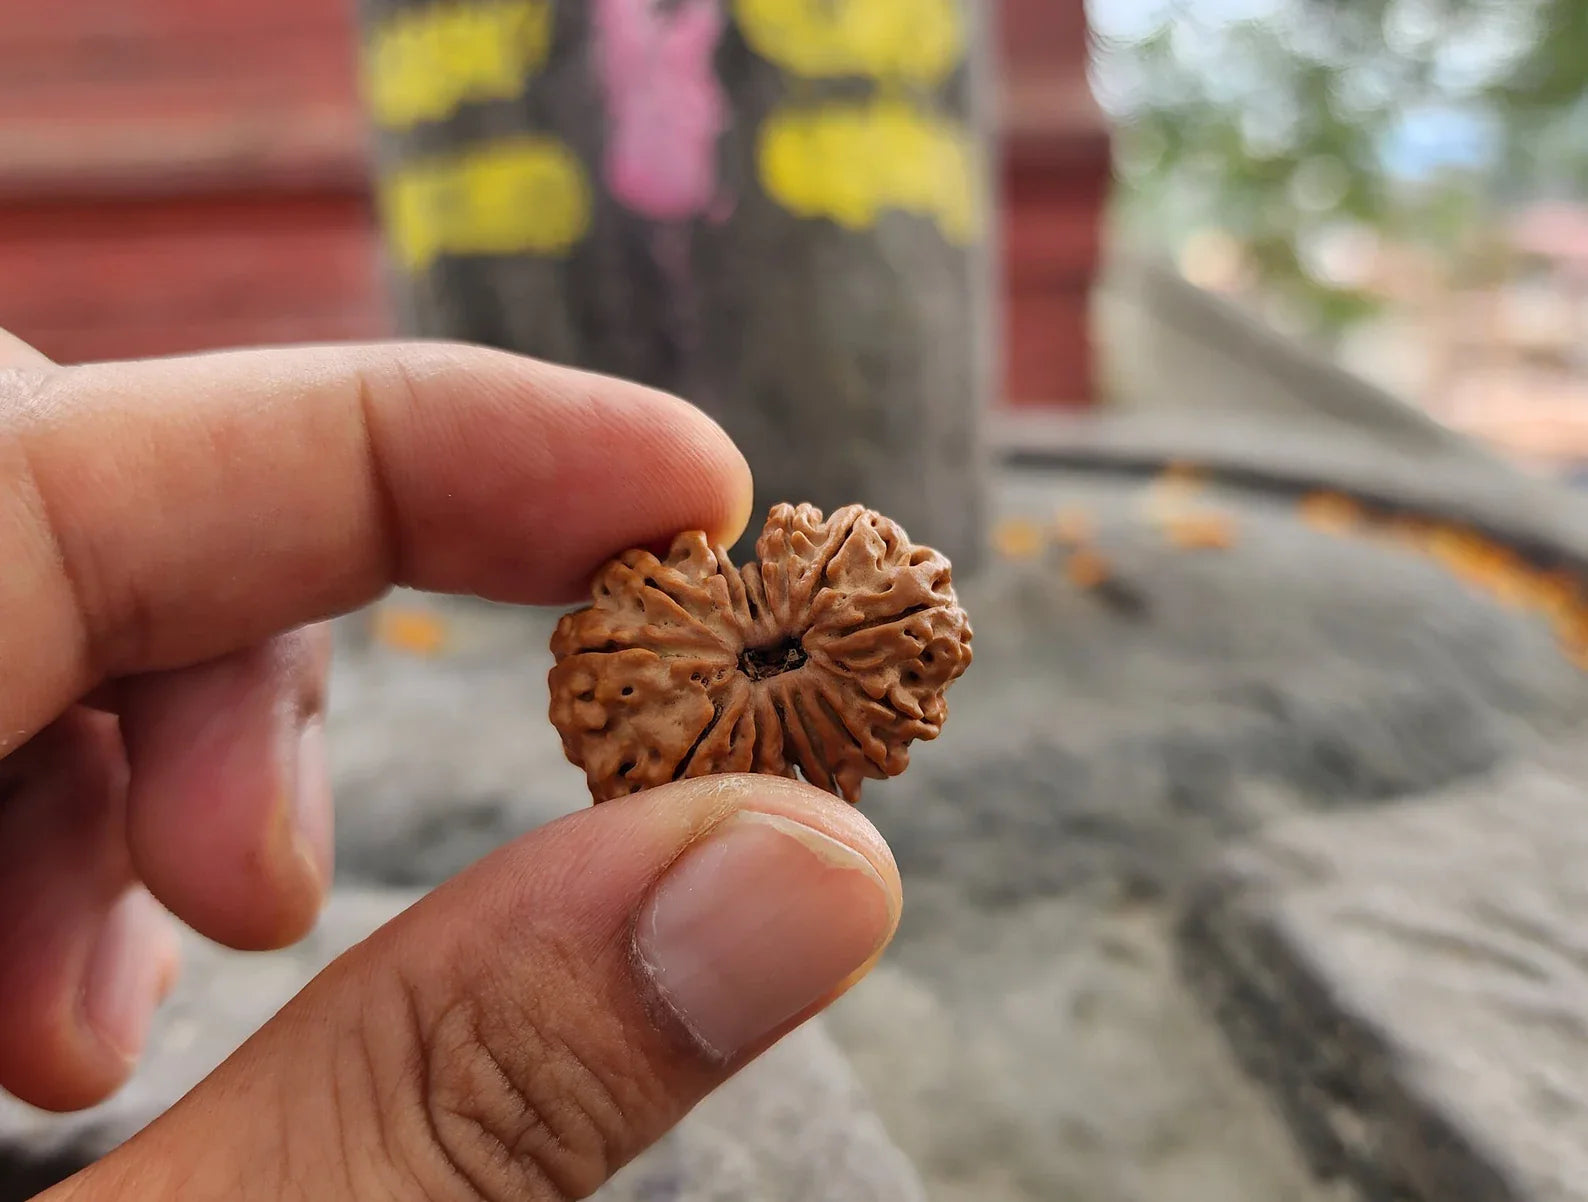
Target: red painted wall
185,174
182,174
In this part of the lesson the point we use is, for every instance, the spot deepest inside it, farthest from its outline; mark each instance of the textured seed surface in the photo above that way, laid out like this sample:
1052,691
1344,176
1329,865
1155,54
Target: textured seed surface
829,656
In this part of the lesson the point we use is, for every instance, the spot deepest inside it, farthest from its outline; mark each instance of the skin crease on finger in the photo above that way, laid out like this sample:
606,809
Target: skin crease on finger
504,1010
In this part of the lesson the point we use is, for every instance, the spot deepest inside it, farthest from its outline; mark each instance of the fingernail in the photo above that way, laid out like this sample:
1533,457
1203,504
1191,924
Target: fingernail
758,921
311,801
127,971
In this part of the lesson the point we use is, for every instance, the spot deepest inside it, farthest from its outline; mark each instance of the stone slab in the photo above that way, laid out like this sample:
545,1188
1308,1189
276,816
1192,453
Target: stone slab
1028,1036
1195,378
1270,453
1047,1050
1413,982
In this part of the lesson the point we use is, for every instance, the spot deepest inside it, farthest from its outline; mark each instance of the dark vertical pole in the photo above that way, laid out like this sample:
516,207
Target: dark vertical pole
779,209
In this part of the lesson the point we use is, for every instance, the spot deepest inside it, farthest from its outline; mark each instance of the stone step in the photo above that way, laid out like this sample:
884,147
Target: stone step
1412,983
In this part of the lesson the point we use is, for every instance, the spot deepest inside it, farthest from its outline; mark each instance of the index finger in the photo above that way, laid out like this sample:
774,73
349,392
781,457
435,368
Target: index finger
163,512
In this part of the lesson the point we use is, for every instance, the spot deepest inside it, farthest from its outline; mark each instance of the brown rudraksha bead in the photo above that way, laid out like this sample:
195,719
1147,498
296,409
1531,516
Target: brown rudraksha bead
830,655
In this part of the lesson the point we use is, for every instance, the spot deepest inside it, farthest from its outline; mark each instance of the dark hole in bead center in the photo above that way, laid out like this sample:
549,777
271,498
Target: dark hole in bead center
758,663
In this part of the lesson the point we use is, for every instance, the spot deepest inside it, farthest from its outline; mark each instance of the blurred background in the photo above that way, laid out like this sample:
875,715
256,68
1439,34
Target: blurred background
1397,183
181,174
1249,864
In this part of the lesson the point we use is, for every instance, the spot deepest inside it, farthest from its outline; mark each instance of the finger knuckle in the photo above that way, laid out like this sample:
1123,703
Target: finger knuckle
298,663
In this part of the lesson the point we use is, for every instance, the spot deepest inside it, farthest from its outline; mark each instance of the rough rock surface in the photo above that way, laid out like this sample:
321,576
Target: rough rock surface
1058,1057
1029,1035
1089,775
1093,733
792,1127
1413,981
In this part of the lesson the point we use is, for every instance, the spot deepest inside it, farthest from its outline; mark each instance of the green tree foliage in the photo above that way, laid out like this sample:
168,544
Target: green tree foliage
1543,102
1277,121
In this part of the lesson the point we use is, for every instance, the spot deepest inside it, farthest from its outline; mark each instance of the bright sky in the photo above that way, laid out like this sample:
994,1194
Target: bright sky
1136,18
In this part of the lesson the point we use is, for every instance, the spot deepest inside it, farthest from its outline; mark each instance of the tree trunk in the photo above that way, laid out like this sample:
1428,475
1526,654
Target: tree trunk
779,209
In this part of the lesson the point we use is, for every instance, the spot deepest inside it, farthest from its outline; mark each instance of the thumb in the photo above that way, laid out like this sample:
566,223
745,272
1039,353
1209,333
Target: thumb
529,1027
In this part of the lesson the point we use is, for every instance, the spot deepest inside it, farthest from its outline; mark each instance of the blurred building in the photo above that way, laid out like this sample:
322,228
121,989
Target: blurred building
186,174
181,174
1520,349
1503,357
1499,353
1057,171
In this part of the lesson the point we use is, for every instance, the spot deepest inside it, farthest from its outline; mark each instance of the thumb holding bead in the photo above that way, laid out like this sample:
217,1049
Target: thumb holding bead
528,1028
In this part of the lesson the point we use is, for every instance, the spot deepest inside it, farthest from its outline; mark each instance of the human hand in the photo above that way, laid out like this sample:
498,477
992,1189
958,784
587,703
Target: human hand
170,531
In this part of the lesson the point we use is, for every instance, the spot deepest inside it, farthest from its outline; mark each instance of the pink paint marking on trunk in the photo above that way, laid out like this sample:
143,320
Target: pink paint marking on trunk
665,108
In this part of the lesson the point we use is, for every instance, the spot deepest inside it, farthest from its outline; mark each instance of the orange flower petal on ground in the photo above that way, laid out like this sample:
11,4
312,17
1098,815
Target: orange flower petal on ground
1087,570
1017,538
1072,527
1334,513
1182,474
411,631
1200,531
